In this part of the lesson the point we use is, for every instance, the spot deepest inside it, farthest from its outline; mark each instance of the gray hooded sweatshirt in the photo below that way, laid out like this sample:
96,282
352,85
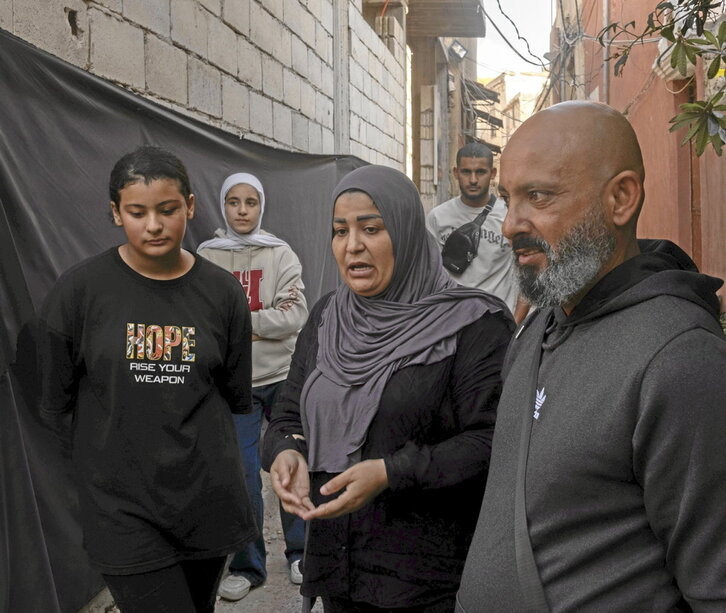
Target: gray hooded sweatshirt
625,488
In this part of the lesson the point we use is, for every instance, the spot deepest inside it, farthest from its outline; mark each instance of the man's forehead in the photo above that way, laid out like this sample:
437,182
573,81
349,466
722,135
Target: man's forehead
474,162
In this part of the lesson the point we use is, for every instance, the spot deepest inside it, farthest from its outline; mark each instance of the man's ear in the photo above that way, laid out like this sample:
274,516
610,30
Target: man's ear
624,195
493,173
191,201
115,214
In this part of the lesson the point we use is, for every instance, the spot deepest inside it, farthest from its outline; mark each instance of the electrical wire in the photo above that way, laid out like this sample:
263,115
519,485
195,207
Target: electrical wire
510,45
519,36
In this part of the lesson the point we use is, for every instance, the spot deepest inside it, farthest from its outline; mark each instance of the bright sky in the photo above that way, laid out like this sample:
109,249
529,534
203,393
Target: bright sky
533,19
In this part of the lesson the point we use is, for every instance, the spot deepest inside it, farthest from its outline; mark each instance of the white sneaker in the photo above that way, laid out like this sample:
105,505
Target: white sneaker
295,574
234,587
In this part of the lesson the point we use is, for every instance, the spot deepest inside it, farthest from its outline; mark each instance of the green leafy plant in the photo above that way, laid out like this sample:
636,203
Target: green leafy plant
684,25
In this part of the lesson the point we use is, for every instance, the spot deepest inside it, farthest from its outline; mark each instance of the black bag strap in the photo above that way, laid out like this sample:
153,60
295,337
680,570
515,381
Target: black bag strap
479,219
533,594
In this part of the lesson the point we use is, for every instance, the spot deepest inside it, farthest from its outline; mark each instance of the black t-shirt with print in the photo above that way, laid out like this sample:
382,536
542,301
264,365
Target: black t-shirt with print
151,371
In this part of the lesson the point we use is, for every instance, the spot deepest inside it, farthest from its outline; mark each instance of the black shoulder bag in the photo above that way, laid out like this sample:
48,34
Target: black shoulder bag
463,243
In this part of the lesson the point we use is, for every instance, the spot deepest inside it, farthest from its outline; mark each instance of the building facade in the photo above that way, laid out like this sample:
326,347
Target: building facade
685,194
304,75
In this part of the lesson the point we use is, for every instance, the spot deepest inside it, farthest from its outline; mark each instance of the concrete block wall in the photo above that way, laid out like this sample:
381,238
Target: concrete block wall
377,91
262,69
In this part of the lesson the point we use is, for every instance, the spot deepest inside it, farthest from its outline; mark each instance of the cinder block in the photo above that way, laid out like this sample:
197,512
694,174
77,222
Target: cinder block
265,30
271,77
261,114
307,99
300,132
166,70
356,101
282,123
315,138
355,74
306,28
328,84
214,6
189,26
49,26
358,150
276,7
299,56
250,63
315,69
315,7
237,14
235,102
117,49
205,88
328,141
6,15
376,92
363,132
154,16
323,110
374,67
358,50
283,48
291,89
223,46
367,85
354,126
114,5
291,14
323,43
326,15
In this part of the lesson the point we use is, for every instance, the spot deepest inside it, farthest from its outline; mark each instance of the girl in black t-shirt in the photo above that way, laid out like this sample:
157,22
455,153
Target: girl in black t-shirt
149,348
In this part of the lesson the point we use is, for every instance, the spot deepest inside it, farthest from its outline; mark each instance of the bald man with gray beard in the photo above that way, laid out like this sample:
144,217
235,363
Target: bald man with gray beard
607,485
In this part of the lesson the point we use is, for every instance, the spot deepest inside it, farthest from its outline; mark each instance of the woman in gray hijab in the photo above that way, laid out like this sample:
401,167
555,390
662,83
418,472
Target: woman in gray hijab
382,432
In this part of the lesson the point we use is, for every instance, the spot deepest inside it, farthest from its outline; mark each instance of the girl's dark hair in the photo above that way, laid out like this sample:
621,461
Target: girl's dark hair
146,164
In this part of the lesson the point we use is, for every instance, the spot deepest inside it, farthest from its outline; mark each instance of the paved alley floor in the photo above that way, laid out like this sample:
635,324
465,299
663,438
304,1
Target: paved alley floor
277,594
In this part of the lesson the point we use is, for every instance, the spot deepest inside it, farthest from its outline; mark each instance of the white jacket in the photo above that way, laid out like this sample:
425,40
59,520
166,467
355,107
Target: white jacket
271,279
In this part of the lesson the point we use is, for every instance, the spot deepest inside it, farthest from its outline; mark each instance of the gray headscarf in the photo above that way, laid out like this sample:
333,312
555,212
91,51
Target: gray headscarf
363,341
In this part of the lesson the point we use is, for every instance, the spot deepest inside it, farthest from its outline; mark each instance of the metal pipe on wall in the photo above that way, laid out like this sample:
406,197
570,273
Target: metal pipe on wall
605,53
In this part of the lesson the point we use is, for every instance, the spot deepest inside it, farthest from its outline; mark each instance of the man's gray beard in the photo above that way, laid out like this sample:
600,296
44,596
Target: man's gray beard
578,258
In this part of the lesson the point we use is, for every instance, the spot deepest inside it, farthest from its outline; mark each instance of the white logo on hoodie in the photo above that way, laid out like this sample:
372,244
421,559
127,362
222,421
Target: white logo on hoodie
539,401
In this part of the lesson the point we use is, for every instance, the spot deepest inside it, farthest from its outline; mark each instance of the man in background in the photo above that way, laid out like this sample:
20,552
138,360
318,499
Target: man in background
492,268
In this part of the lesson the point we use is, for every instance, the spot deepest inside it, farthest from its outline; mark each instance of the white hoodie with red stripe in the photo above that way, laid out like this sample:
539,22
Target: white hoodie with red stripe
271,279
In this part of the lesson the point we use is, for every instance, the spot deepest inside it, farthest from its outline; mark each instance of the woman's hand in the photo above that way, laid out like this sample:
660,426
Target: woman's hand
362,483
291,482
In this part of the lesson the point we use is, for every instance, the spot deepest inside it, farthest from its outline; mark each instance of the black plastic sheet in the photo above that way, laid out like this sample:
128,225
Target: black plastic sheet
61,131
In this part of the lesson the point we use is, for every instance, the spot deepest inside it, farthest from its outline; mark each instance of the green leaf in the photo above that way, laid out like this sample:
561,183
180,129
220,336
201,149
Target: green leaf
711,38
681,123
713,67
675,54
701,140
716,143
712,124
691,55
667,33
696,107
696,127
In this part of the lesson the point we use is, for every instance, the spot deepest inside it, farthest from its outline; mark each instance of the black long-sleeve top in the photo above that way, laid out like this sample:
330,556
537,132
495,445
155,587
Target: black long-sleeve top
433,430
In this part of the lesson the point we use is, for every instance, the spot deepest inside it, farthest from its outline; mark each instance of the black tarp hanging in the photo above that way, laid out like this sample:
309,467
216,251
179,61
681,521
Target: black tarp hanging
61,131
